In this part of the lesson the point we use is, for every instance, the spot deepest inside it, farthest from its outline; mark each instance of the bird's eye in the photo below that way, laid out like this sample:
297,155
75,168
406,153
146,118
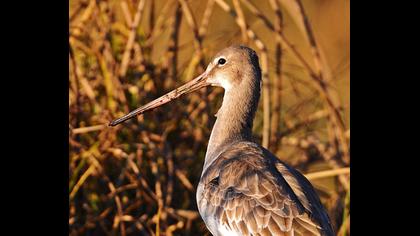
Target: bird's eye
221,61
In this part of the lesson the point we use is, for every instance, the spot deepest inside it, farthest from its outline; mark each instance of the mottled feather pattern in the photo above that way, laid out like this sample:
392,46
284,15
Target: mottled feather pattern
250,193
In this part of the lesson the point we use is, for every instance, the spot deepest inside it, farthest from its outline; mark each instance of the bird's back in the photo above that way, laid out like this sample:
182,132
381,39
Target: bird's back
248,191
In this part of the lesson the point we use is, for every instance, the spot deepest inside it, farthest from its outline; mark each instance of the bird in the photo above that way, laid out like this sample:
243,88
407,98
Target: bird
244,189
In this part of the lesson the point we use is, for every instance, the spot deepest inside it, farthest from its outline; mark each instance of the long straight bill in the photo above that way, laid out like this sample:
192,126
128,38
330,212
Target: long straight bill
191,86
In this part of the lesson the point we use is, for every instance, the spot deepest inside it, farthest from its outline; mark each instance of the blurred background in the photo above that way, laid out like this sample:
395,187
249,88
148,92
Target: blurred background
140,178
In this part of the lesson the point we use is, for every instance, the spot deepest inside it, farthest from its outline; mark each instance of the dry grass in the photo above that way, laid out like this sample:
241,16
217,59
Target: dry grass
139,178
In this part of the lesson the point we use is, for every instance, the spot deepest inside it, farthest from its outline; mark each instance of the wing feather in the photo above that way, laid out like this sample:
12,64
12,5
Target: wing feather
255,195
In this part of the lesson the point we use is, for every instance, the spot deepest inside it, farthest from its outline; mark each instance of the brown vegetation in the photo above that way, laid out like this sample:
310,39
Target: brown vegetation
139,178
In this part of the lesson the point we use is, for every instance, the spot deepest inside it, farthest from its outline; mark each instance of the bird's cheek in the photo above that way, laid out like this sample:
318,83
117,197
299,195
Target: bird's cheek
220,81
213,81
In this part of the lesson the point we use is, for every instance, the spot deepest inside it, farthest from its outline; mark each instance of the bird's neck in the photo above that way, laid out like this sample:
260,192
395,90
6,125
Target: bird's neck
234,118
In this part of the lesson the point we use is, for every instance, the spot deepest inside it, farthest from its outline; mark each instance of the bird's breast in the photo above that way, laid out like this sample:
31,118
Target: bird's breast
209,216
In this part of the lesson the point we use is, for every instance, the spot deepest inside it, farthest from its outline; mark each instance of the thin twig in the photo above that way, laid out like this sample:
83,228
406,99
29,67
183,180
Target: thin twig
345,226
171,170
174,44
77,24
310,119
277,84
82,130
111,186
327,173
325,152
75,83
197,38
184,180
279,36
241,20
206,19
158,191
126,13
131,38
162,23
82,179
322,86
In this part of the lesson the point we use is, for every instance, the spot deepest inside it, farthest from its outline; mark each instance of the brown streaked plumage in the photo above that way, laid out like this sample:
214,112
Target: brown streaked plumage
244,189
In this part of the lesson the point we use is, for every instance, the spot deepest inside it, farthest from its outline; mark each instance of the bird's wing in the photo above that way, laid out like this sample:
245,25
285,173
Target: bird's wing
306,195
247,194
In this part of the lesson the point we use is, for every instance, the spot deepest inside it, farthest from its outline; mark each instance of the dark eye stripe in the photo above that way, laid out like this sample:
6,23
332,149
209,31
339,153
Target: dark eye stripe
221,61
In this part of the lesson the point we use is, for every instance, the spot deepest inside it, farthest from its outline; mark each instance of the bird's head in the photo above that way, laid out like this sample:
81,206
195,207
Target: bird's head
231,68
